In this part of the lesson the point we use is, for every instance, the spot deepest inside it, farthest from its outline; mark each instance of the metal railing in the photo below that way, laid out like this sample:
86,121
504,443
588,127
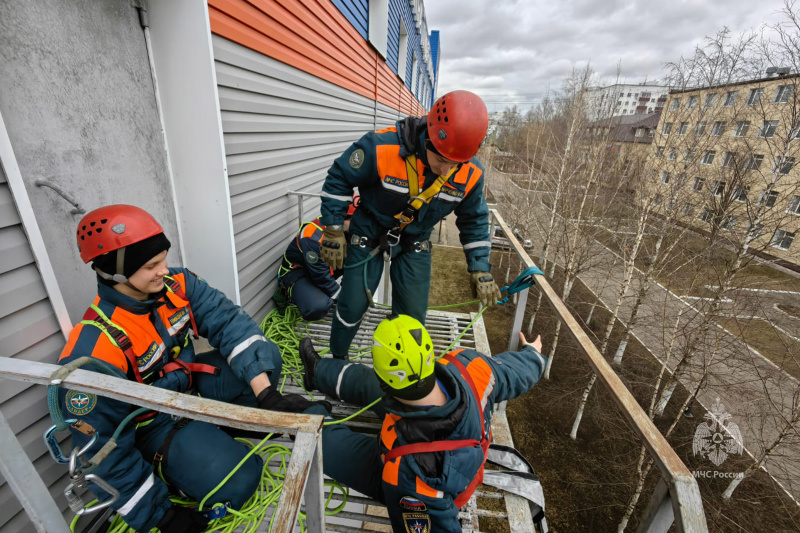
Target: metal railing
303,473
676,499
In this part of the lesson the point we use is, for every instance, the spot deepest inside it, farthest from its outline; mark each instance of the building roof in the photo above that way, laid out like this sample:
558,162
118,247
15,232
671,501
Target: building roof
623,128
734,84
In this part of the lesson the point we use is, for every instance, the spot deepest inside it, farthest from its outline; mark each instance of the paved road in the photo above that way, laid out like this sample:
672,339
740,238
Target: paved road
753,390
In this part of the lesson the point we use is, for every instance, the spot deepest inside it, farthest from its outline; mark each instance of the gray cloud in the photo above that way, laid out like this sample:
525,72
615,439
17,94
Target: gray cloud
514,50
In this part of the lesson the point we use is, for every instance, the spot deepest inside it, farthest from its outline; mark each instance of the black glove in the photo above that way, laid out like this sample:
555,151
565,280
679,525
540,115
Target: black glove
182,520
272,400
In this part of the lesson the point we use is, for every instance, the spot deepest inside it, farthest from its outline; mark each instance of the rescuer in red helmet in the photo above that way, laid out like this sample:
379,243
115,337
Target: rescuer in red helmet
409,176
140,325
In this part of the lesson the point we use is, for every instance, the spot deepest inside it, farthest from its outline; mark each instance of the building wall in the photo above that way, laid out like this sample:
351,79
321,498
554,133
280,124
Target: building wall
737,172
621,99
77,99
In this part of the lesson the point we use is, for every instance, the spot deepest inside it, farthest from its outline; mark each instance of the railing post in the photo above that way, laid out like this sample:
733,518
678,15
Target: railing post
314,496
519,315
658,517
29,488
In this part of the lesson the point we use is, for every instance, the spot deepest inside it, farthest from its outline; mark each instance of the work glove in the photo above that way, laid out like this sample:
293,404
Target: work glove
272,400
182,520
484,287
334,246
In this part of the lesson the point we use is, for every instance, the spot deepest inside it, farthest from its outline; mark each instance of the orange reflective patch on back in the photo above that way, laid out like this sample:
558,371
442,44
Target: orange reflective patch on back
443,361
390,163
426,490
387,130
103,349
388,433
462,175
391,471
483,377
473,180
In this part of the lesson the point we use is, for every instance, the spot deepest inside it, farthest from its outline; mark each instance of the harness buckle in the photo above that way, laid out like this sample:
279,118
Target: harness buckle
362,242
393,238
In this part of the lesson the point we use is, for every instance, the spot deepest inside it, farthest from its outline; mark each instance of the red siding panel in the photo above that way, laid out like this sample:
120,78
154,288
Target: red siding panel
313,36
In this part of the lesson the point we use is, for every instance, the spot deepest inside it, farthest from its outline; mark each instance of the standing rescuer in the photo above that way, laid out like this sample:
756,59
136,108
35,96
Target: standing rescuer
436,432
409,176
140,323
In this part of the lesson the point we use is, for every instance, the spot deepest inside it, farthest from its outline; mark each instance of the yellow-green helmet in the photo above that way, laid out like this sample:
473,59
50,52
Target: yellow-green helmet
402,355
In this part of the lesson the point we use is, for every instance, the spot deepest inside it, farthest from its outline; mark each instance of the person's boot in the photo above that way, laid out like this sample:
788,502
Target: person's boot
310,358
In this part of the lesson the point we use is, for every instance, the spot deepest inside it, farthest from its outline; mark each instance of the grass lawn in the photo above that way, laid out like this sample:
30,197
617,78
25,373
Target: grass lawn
774,345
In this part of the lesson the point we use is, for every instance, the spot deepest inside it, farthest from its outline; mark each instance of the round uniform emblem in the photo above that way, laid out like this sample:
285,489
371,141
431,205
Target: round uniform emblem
312,258
357,158
80,403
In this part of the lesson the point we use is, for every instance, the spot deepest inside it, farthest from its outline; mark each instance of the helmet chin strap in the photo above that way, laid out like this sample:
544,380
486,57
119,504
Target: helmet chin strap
119,277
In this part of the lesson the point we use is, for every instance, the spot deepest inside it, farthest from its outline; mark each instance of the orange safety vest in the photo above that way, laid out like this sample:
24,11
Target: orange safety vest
391,466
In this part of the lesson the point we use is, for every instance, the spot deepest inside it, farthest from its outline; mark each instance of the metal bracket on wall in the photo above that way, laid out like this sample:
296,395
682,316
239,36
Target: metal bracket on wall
76,207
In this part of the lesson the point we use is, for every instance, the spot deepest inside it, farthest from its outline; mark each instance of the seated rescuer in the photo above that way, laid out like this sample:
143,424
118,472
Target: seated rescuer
409,176
303,278
437,417
140,324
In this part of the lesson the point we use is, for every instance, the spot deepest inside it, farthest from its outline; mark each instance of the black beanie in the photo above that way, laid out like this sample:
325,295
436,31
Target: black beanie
136,255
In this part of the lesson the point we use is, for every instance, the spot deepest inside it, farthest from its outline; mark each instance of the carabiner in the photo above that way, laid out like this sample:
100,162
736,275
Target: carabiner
52,445
524,281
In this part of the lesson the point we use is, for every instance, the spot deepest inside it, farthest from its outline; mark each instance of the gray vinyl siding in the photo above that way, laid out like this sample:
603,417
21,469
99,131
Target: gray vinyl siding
282,130
29,330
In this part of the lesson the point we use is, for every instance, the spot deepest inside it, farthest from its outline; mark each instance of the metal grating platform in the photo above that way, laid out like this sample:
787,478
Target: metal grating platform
364,514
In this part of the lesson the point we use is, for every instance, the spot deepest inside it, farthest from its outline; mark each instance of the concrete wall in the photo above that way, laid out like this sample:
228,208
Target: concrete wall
77,98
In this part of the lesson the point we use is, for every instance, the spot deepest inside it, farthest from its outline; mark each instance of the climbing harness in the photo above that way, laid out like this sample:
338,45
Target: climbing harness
416,199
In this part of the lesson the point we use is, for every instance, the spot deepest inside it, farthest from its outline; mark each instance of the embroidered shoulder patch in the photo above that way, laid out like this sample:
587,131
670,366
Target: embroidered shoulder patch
357,158
412,504
312,258
417,522
80,403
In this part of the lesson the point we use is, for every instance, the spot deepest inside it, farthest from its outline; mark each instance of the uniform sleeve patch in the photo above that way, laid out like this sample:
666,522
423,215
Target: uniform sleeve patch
80,403
312,258
412,504
357,158
417,522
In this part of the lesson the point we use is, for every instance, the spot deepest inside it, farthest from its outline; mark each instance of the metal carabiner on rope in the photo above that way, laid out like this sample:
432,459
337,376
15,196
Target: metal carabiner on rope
79,480
524,281
52,445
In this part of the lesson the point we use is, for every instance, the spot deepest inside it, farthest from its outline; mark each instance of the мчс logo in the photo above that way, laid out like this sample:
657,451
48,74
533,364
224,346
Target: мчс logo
718,437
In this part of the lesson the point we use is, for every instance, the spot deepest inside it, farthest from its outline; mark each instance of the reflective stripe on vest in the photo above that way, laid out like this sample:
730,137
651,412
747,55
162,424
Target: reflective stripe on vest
393,456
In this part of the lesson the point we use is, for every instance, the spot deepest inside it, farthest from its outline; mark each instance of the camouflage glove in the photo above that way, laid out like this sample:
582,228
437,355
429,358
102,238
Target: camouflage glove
484,287
334,246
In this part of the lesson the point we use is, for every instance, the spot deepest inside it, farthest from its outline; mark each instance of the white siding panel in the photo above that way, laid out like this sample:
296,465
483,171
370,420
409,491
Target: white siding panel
28,330
282,130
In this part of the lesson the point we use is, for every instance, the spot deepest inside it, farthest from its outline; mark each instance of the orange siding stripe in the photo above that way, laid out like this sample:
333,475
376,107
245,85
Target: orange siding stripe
312,36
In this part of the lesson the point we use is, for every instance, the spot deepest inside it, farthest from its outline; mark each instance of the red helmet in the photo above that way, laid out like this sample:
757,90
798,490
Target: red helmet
457,125
113,227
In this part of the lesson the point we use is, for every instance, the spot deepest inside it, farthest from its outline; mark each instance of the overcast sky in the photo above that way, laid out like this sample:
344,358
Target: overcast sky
514,50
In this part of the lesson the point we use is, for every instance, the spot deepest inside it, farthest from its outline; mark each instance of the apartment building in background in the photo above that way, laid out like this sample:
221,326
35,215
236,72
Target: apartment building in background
623,99
725,161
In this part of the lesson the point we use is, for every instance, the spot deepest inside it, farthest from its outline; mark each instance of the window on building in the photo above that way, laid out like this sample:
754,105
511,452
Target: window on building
688,210
754,162
698,184
621,95
783,93
768,198
710,99
728,222
794,205
768,128
718,188
659,151
754,96
665,177
729,159
741,128
658,200
708,157
683,128
691,103
639,132
666,129
700,128
705,214
783,164
402,51
730,98
689,155
676,103
740,193
673,154
782,239
718,128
